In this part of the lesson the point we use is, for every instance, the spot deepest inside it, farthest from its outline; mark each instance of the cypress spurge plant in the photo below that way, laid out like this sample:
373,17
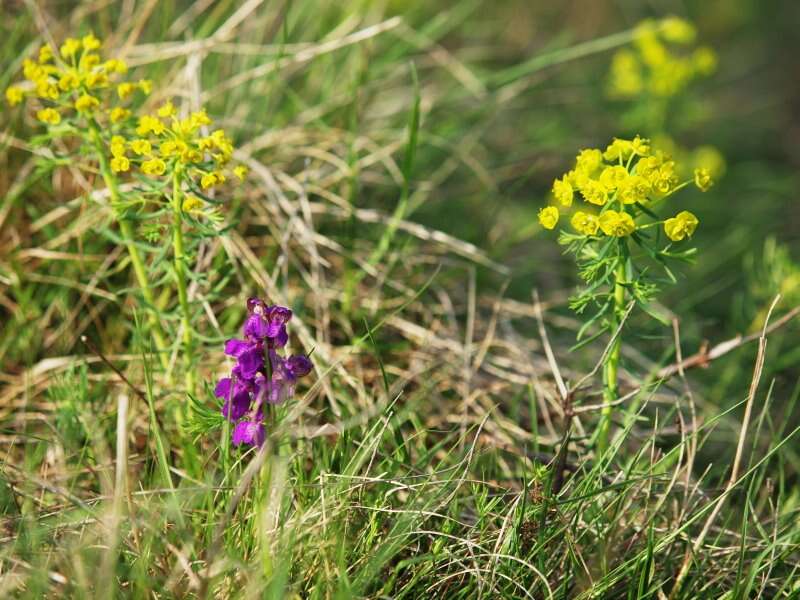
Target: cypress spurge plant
156,167
620,243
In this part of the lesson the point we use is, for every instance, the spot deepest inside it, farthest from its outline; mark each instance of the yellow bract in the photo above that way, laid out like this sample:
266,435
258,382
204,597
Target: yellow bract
118,114
86,103
548,217
585,223
49,115
70,48
617,224
703,179
149,124
141,147
681,226
562,190
240,171
14,95
154,166
191,204
120,164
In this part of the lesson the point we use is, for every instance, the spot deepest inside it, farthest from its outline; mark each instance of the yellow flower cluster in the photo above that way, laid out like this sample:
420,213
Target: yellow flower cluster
163,140
74,79
76,83
656,65
621,180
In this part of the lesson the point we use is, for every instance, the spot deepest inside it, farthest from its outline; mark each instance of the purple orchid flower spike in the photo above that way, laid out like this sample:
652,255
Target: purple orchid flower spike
261,376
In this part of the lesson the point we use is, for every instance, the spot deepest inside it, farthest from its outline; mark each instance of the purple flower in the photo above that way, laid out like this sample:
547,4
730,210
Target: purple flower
237,398
256,380
248,432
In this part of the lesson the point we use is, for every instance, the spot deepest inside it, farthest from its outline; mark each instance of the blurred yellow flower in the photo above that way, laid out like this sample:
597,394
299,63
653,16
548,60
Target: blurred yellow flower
70,48
680,226
120,164
14,95
118,114
617,224
548,217
584,223
562,190
49,115
154,166
703,179
86,103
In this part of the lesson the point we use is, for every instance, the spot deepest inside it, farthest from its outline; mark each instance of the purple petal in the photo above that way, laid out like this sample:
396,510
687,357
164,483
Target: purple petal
248,432
236,347
237,406
223,388
279,314
279,340
299,365
250,361
256,327
255,305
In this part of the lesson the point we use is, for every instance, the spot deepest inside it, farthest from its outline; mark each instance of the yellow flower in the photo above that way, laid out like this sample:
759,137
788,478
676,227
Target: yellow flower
88,62
146,86
680,226
634,189
118,114
70,48
49,115
117,146
677,30
208,180
33,71
172,148
640,146
45,54
594,192
548,217
120,164
704,60
115,65
45,89
148,124
90,42
703,179
166,110
665,179
584,223
69,81
241,172
200,118
588,160
94,80
141,147
625,80
14,95
125,89
618,149
562,190
86,103
612,177
617,224
154,166
191,204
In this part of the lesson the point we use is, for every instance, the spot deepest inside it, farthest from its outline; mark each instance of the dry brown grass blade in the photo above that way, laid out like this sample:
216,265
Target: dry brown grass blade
733,480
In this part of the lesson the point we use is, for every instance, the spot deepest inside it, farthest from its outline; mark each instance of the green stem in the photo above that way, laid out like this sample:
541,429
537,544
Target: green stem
126,230
611,367
180,279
